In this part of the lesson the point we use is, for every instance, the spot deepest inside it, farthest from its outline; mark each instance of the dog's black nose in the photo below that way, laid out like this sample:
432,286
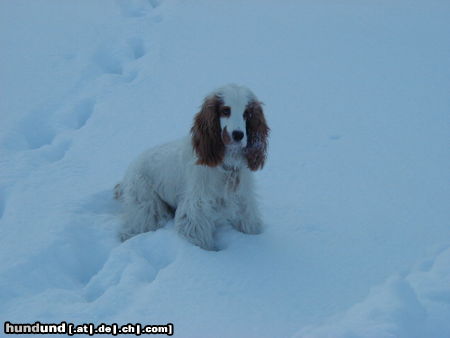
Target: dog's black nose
237,135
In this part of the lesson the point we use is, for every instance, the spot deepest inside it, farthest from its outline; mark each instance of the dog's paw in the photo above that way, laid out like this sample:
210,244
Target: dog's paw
204,243
250,227
197,233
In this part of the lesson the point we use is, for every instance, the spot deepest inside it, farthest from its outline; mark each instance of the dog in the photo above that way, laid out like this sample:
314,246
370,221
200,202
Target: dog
205,179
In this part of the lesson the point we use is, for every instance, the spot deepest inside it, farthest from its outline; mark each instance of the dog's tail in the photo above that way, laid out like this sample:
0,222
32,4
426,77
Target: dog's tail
118,191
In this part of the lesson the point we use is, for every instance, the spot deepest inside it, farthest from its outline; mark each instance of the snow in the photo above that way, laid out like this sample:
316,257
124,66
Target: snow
415,305
354,193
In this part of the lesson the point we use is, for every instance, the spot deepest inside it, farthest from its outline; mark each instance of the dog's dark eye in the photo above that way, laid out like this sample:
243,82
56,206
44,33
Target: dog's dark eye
246,115
226,111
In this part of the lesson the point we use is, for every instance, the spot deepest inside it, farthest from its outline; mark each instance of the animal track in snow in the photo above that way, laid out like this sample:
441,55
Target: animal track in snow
137,47
108,61
117,60
56,152
82,111
37,130
40,129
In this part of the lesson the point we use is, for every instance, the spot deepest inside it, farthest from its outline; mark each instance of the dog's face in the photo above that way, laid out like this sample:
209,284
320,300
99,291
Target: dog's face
231,117
232,112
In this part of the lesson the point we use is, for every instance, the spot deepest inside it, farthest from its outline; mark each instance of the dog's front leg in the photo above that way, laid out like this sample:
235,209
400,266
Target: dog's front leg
247,218
194,221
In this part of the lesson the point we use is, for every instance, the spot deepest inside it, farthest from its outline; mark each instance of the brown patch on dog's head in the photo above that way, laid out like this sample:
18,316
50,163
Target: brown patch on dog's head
257,135
206,133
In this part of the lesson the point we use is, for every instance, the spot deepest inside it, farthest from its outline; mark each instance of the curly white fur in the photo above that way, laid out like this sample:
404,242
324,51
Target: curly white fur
167,182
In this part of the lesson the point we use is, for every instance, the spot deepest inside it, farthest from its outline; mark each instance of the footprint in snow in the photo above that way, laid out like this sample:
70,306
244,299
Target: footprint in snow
137,47
37,129
117,60
56,151
79,114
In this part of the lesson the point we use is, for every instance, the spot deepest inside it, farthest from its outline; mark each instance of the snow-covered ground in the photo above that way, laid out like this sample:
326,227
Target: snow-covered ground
355,194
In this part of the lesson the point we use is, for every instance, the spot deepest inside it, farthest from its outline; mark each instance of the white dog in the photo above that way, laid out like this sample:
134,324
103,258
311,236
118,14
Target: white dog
203,180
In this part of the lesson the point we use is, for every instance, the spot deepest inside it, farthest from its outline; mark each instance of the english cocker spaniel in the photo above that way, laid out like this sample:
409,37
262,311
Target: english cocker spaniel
205,179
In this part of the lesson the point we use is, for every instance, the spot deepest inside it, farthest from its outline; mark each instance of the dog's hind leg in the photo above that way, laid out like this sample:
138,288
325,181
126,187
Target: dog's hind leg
147,212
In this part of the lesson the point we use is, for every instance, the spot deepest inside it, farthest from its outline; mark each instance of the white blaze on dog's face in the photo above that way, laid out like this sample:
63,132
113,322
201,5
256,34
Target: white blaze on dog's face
232,122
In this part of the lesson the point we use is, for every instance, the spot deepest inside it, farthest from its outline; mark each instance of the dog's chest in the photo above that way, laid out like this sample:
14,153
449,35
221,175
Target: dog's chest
232,180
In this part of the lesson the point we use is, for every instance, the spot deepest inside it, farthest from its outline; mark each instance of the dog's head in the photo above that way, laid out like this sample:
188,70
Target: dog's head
230,117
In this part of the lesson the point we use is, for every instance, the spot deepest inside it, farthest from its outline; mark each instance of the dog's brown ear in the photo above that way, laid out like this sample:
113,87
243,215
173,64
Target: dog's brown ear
206,134
257,136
